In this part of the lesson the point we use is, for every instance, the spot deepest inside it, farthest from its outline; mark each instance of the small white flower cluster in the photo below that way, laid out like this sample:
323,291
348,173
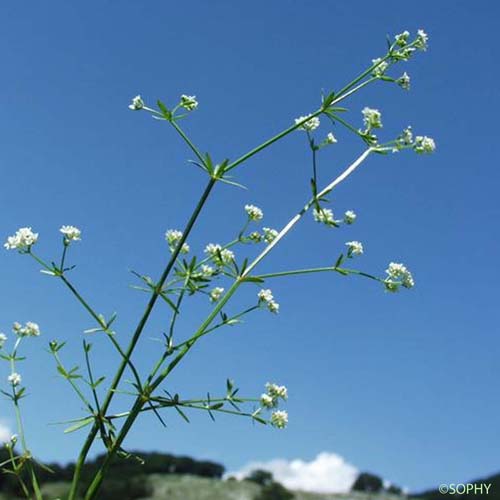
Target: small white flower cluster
253,212
279,419
189,102
424,144
269,234
309,125
398,274
372,118
137,103
3,339
381,67
406,137
71,233
274,392
404,81
330,138
266,297
402,38
354,248
255,236
173,236
324,216
218,254
23,240
270,399
14,378
349,217
30,329
207,271
422,40
216,294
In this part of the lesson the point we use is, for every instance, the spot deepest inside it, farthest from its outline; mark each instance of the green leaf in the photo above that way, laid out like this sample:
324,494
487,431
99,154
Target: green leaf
165,112
339,260
182,414
79,425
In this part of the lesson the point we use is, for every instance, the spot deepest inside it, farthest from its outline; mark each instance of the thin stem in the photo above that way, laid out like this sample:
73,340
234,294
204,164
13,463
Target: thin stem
188,142
141,400
267,143
140,327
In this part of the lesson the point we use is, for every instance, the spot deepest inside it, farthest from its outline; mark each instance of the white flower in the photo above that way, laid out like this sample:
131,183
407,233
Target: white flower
349,217
254,213
422,39
269,234
277,391
309,125
381,68
323,215
267,401
372,118
406,137
173,236
207,271
265,295
354,248
330,138
189,102
3,339
30,329
22,240
404,81
14,378
279,419
137,103
216,294
255,236
219,255
71,233
398,271
273,307
402,38
424,144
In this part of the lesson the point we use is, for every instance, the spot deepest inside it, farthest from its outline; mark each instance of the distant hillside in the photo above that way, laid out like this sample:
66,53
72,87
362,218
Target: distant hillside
186,487
493,492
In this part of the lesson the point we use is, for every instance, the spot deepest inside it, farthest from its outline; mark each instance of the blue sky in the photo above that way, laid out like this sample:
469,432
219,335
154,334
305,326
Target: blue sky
402,385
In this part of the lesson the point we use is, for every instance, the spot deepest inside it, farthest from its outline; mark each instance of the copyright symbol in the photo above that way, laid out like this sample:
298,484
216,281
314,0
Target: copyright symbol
443,489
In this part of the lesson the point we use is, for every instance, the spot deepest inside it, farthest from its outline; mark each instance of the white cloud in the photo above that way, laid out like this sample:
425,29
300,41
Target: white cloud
5,432
327,473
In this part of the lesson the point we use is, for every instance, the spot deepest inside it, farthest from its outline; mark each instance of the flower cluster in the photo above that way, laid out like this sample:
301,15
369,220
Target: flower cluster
189,102
14,378
279,419
349,217
70,233
330,138
23,240
381,67
173,236
3,339
404,81
309,125
218,254
424,144
254,213
216,294
354,248
30,329
266,297
324,216
269,234
137,103
372,118
398,275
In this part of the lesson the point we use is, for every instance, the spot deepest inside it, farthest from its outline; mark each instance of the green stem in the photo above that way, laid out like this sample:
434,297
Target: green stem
142,323
267,143
141,399
188,142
